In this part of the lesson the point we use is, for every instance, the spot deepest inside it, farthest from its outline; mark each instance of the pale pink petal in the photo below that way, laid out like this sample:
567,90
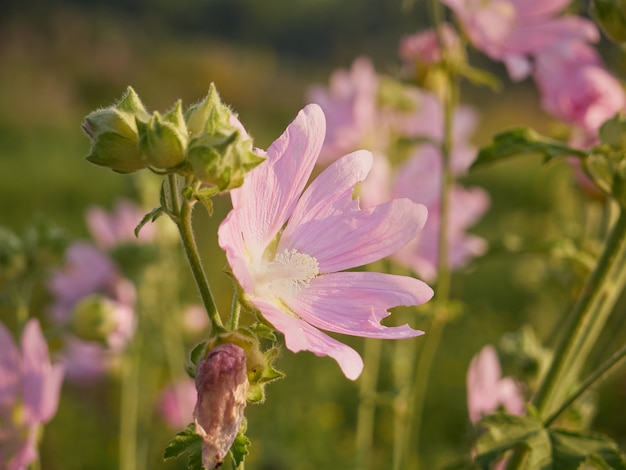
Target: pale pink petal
482,383
270,191
300,336
355,239
331,192
511,397
10,367
231,240
100,227
354,303
41,381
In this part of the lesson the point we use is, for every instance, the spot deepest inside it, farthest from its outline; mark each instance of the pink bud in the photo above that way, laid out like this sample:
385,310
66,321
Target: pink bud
222,385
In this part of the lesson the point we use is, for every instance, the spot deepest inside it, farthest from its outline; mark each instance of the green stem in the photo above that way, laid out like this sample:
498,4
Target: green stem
586,319
367,403
601,374
193,257
433,336
129,406
235,311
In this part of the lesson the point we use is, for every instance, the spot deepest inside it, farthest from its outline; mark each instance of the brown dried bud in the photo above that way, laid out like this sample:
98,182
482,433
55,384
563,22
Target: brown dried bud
222,385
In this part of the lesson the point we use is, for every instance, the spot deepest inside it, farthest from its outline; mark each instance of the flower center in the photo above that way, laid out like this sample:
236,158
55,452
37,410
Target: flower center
288,273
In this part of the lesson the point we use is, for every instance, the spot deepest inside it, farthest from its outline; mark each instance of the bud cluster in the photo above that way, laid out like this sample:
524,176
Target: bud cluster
207,142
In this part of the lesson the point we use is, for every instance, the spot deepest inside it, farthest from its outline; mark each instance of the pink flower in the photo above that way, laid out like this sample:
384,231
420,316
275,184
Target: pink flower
177,402
90,274
423,47
576,88
487,390
349,104
29,394
512,30
286,246
118,227
419,179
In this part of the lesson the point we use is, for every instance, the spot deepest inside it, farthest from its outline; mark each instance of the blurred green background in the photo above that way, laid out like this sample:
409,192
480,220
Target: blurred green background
60,60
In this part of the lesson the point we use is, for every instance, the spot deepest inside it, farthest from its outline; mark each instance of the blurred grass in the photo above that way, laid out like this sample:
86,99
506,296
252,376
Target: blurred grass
57,69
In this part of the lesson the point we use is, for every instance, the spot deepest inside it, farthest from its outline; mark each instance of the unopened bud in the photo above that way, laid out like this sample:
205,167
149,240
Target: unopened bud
222,386
93,319
163,139
220,150
113,131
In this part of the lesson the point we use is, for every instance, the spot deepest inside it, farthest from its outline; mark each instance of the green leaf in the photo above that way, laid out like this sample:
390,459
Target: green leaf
548,449
505,432
524,141
189,442
571,449
239,449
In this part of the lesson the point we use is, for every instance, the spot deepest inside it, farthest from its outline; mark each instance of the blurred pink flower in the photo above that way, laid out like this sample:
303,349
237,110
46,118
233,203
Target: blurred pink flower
286,246
512,30
195,320
109,230
349,104
177,402
419,179
576,88
487,389
29,394
89,272
424,46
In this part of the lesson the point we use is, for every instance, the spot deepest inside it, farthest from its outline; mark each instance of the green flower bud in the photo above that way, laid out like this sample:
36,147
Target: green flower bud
220,151
93,319
113,132
611,17
163,139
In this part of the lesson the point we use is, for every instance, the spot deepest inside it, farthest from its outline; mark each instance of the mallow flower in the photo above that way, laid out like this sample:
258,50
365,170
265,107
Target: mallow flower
287,245
29,394
487,389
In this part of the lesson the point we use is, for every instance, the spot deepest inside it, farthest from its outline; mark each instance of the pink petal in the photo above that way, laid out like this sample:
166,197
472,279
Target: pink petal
354,239
10,368
300,336
354,303
270,192
330,193
42,382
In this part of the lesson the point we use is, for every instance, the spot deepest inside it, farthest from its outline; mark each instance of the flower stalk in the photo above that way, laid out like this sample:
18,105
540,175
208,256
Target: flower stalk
183,208
435,330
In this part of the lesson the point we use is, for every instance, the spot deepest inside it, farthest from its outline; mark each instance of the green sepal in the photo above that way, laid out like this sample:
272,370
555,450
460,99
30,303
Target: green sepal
210,116
117,152
521,141
263,331
205,197
186,441
239,449
547,448
223,160
113,131
163,139
196,355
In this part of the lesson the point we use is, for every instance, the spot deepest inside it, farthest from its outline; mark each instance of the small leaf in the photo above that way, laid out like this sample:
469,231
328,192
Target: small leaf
205,197
263,331
149,217
524,141
185,441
